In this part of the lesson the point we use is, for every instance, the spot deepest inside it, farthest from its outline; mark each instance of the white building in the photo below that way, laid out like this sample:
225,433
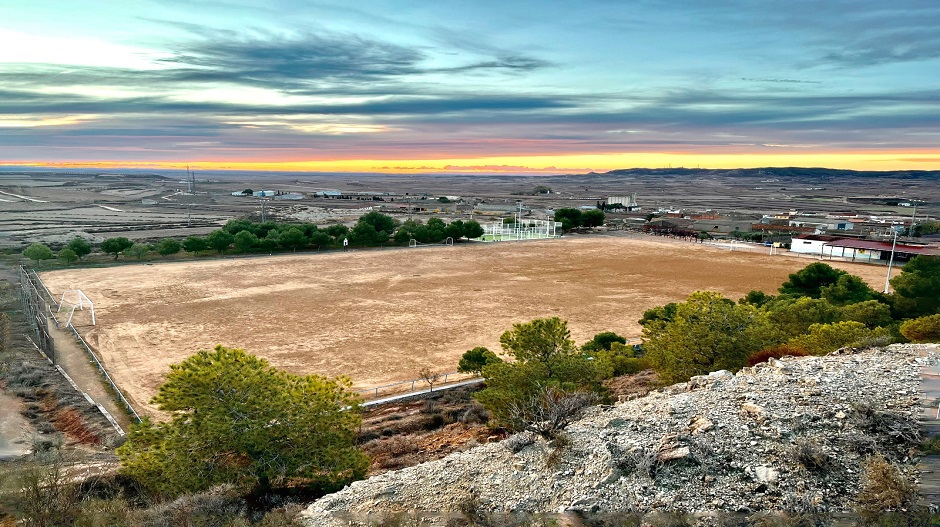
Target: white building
627,202
857,250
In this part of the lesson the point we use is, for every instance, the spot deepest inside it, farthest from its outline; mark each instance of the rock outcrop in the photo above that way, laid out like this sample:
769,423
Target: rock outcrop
790,434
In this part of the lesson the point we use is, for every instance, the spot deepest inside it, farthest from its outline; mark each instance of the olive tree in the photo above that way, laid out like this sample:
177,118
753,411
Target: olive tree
220,240
38,251
169,247
116,246
80,246
67,255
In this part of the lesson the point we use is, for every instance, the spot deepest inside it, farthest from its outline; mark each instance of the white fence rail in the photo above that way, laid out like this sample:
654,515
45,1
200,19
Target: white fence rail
101,369
417,385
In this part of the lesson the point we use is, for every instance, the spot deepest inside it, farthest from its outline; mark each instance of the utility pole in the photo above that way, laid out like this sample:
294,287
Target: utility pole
891,261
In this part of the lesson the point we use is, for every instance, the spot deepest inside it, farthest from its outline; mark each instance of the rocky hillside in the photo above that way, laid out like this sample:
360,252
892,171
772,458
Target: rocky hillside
786,435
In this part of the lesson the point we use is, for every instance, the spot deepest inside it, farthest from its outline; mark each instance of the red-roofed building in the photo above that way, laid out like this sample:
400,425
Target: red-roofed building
858,250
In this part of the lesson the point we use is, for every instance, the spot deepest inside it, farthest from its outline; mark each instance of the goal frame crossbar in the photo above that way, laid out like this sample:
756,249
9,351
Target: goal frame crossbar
77,299
412,243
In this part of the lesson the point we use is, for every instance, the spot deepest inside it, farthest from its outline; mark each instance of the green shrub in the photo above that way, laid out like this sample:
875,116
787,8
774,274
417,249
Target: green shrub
628,365
826,338
923,329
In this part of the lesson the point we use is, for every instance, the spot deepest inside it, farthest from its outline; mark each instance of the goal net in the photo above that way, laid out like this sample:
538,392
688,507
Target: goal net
76,299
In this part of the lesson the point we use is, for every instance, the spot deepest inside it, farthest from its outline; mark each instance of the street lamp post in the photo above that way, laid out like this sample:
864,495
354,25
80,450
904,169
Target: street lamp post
891,260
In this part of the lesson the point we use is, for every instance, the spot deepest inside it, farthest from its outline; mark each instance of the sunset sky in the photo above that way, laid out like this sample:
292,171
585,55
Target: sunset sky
463,86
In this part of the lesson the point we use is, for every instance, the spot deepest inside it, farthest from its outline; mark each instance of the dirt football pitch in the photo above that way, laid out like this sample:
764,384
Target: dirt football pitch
380,315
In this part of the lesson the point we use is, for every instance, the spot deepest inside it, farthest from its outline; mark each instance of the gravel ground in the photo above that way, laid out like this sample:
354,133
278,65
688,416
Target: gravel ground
722,442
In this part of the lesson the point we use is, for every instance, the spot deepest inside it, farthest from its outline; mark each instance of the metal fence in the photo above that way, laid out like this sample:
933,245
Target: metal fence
36,309
413,385
39,312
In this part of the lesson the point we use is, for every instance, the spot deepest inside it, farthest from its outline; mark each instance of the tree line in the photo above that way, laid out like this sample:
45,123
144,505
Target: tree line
373,229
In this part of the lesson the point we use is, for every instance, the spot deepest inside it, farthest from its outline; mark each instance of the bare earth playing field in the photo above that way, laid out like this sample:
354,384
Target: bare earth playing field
377,316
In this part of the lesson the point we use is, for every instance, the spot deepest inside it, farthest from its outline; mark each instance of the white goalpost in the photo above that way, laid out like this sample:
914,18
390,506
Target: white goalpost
414,243
77,300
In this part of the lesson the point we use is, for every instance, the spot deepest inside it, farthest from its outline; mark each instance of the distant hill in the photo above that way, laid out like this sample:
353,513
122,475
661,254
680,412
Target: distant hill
818,174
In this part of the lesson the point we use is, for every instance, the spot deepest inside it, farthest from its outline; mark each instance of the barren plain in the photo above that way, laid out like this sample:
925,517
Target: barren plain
377,316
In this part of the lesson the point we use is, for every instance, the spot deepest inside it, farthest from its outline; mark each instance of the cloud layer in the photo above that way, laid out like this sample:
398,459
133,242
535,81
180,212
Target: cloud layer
453,81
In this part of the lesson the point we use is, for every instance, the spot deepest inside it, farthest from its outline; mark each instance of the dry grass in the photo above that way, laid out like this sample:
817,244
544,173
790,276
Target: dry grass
883,487
811,456
70,422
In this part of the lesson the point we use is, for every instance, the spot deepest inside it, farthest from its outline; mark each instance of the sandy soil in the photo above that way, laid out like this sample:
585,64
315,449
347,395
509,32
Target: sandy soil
379,315
15,431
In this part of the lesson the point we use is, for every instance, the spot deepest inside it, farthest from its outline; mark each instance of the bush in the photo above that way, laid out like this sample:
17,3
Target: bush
603,342
775,353
628,365
96,512
884,487
549,410
826,338
811,456
707,332
475,414
433,422
923,329
217,507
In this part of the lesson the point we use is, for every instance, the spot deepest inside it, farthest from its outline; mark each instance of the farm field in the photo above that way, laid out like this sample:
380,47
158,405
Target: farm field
378,316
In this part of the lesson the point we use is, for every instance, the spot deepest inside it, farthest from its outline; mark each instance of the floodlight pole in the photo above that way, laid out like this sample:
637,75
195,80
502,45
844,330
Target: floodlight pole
891,261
